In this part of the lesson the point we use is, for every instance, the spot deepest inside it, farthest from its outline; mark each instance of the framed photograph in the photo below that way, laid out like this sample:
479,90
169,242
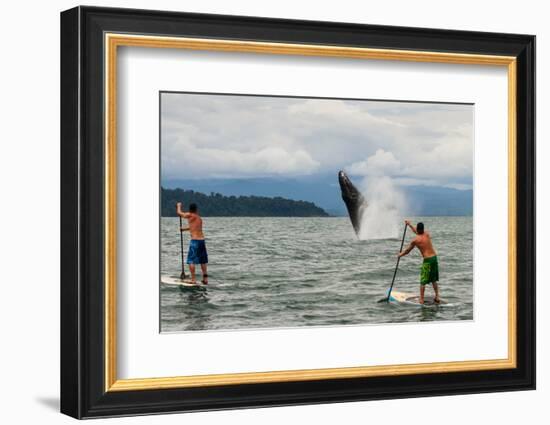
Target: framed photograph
261,212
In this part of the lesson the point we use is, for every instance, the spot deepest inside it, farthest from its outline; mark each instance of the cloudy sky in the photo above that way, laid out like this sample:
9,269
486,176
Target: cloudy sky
216,136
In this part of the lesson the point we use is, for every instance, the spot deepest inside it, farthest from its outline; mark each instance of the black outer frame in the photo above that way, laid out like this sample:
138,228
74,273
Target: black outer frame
82,206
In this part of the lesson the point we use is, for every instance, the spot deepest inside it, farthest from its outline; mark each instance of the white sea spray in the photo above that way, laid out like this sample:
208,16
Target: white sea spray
382,218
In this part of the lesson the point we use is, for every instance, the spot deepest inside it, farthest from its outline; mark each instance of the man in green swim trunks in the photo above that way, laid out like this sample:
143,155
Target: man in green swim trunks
429,273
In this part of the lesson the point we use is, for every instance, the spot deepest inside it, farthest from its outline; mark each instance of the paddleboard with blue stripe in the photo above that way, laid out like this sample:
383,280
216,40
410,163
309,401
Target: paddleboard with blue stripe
413,299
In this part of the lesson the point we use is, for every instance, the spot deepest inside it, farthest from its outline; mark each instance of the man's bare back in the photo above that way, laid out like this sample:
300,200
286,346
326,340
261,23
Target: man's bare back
195,223
422,241
424,244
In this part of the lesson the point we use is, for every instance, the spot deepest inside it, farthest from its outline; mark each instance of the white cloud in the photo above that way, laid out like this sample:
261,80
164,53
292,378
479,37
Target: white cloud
436,167
206,136
382,163
199,161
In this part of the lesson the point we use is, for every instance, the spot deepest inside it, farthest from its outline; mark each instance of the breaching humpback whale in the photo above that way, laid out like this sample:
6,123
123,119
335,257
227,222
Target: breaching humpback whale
355,203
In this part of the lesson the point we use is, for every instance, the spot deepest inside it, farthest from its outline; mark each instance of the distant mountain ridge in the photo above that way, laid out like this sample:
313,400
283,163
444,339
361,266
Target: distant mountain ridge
218,205
324,192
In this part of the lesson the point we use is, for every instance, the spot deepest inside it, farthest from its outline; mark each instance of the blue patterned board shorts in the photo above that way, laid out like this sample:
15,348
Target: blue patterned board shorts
197,252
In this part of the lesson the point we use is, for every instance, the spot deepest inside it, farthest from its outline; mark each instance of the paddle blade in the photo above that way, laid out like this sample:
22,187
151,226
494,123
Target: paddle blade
387,299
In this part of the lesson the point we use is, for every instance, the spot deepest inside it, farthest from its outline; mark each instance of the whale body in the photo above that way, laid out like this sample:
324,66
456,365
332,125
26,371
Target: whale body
354,200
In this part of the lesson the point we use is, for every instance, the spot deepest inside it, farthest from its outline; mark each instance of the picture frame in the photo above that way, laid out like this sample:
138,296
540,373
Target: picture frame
90,39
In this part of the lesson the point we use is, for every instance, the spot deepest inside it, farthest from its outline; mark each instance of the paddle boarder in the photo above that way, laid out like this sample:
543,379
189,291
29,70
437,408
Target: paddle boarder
429,272
197,247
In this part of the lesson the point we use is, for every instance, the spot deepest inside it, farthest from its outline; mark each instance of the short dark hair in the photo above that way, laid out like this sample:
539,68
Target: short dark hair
420,228
193,208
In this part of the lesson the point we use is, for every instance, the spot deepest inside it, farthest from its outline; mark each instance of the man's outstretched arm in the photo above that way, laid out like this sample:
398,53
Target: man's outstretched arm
408,223
180,212
409,249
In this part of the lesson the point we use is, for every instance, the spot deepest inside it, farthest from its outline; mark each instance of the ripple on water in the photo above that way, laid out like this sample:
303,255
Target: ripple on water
291,272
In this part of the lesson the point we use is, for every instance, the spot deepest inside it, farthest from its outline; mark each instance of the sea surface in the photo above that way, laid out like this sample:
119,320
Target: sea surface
292,272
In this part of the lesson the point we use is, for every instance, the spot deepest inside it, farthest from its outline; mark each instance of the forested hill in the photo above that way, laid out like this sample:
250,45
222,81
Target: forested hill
217,205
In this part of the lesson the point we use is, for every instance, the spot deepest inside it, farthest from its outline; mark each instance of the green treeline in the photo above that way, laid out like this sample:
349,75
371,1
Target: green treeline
218,205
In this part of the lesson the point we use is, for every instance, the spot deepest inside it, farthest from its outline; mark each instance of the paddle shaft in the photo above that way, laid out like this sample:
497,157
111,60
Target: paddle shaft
181,247
397,264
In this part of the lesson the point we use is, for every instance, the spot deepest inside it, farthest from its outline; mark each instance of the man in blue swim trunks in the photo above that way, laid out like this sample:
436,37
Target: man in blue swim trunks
429,272
197,247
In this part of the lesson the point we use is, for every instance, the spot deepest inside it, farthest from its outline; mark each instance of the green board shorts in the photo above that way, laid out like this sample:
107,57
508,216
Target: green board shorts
429,272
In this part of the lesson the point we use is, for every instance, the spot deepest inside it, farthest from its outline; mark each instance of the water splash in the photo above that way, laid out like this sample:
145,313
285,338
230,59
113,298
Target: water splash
382,219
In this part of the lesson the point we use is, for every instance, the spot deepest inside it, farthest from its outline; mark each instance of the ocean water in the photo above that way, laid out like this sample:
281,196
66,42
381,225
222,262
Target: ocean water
292,272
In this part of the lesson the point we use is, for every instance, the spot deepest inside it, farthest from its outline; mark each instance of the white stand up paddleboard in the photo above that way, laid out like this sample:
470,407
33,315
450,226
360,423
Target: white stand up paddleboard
413,299
182,283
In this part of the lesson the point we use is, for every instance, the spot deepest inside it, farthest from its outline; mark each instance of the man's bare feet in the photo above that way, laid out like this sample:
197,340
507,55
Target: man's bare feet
437,300
204,280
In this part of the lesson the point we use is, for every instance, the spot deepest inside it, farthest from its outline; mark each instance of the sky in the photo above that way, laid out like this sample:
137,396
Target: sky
206,136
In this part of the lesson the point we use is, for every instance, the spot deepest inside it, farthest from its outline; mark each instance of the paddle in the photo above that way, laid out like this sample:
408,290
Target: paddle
182,275
387,299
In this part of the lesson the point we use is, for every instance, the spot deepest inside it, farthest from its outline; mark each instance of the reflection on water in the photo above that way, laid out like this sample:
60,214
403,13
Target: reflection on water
290,272
194,308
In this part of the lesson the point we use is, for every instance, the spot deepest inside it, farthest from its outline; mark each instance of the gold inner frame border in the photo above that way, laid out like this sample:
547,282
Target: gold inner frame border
113,40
